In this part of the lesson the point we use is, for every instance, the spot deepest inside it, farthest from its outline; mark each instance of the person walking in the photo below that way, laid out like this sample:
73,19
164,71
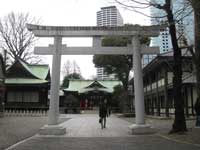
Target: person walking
103,114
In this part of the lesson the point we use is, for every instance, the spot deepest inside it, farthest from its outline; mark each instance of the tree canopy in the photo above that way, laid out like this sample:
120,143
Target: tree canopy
16,40
66,79
120,65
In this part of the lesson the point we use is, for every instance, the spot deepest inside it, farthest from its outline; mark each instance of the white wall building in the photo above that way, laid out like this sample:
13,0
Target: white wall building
108,16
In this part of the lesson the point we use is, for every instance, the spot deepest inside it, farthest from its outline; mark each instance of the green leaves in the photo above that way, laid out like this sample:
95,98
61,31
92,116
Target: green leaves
66,79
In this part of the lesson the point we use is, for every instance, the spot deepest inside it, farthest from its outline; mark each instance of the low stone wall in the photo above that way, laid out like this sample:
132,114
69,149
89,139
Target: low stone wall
24,113
1,114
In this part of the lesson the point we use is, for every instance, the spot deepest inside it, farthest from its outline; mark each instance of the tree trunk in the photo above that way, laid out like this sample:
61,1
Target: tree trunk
124,79
179,124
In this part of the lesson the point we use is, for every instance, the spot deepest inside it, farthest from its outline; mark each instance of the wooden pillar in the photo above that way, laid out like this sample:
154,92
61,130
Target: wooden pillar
147,105
151,96
192,99
186,102
157,95
166,93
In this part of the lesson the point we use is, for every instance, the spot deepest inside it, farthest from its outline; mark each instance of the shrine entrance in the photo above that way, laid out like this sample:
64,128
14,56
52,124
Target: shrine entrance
96,32
91,100
91,92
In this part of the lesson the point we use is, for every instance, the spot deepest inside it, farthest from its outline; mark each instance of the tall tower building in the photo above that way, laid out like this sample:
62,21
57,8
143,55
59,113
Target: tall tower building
184,25
108,16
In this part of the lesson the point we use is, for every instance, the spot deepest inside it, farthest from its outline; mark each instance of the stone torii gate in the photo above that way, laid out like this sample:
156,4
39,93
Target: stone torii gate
57,49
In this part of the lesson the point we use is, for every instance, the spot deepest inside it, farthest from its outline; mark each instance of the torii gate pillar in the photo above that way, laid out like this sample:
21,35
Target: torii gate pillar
55,80
138,81
139,127
53,128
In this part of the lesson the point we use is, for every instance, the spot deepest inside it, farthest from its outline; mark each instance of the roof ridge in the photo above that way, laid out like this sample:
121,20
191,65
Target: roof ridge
91,80
26,65
38,64
94,83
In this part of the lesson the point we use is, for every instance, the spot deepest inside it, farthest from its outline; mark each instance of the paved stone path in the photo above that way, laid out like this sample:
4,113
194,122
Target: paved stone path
84,133
88,126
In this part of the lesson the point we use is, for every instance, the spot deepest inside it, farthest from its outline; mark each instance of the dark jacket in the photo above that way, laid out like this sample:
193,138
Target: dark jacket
102,110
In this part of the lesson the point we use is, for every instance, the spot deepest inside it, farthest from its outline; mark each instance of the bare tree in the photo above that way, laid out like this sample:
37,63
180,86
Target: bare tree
16,40
171,18
70,68
76,68
66,69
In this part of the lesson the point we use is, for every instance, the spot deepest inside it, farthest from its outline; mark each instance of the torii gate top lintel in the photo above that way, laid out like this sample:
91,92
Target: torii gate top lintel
91,31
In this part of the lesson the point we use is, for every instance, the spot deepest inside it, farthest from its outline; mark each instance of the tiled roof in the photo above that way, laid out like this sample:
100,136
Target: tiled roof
38,74
83,86
40,71
24,81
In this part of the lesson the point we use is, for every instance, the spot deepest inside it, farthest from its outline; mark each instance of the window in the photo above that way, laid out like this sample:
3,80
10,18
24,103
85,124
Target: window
162,101
23,97
11,97
31,97
18,97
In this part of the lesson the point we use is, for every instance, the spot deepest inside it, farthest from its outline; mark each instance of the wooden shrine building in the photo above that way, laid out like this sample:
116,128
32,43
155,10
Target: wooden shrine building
27,86
90,93
158,87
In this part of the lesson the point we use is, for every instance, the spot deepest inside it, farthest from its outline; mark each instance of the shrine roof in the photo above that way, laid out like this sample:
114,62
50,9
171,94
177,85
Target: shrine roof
41,71
38,70
83,86
24,73
24,81
166,58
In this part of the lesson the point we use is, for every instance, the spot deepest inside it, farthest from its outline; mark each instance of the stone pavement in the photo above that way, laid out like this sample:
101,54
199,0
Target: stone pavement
84,133
88,126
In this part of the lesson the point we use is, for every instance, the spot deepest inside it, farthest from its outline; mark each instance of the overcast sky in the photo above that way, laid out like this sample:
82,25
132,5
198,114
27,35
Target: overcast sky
68,13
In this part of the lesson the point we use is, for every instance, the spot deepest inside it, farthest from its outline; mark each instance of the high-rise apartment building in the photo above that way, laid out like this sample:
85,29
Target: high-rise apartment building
184,24
108,16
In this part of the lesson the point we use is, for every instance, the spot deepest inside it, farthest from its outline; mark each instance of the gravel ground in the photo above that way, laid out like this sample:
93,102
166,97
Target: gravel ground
165,125
15,129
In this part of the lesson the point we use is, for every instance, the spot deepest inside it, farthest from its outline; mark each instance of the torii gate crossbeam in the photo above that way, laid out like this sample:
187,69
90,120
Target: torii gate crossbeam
94,50
96,32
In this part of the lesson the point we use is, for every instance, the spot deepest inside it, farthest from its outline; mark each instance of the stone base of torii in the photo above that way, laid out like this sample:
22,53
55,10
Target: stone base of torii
135,49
